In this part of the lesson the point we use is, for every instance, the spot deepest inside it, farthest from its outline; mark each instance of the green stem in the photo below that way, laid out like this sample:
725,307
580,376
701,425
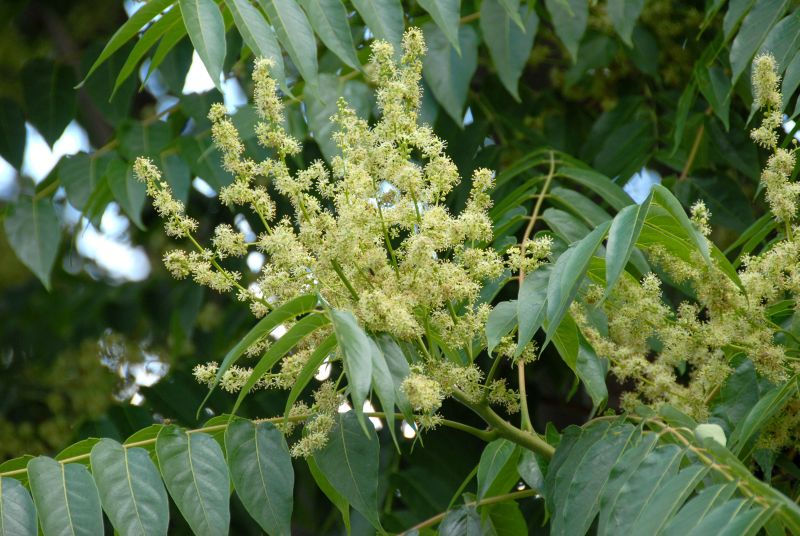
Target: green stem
338,269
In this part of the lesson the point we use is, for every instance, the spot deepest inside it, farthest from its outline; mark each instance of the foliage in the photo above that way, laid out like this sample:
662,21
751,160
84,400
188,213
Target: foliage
662,330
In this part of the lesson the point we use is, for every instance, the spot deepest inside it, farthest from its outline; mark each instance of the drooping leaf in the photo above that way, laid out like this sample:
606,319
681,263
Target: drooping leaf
34,234
530,470
356,354
760,415
570,18
384,18
66,498
509,45
623,15
329,20
592,372
448,74
662,505
206,30
383,385
295,34
398,367
501,321
336,498
258,35
131,490
12,132
49,97
598,183
755,27
350,463
196,476
567,340
17,513
446,14
148,39
697,508
131,27
129,192
622,237
79,175
321,352
497,469
262,473
531,304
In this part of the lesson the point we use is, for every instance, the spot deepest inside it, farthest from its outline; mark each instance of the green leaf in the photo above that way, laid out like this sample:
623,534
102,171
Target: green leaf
384,387
715,86
509,45
463,521
633,489
262,473
322,351
49,97
131,490
760,415
356,355
447,73
570,18
308,324
568,272
329,20
66,498
565,225
622,237
398,367
740,392
177,174
791,81
258,35
145,43
17,513
531,305
696,509
79,175
567,341
579,471
203,159
196,476
592,372
599,184
206,29
580,206
139,139
783,41
173,71
295,34
142,16
623,15
12,132
385,20
287,311
350,463
129,192
446,15
497,469
501,321
754,30
530,471
34,234
662,505
336,498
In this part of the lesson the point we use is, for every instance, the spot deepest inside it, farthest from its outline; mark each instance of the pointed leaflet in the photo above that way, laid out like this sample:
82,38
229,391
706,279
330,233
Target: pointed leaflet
296,36
129,192
131,490
12,132
350,463
206,30
262,473
329,19
336,498
49,97
356,354
66,498
622,237
447,73
321,352
569,19
623,15
509,45
568,273
142,16
530,470
279,348
663,504
287,311
17,513
196,475
398,367
531,303
258,35
497,469
592,372
34,234
385,20
446,15
383,384
501,321
754,30
181,56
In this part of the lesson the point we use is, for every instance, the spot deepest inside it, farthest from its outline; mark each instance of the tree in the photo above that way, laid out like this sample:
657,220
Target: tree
434,195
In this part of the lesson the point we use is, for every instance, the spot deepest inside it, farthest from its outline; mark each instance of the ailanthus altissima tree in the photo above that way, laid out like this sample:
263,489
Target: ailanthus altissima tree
407,296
